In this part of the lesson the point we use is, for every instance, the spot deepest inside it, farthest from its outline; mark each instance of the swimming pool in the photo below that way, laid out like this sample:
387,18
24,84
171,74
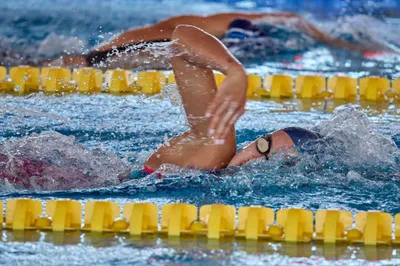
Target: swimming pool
132,126
107,135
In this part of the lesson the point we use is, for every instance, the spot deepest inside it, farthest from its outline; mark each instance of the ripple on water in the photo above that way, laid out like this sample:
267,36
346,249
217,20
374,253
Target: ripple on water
358,171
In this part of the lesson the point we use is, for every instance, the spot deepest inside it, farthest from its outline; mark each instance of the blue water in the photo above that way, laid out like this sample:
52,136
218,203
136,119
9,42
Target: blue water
106,135
132,126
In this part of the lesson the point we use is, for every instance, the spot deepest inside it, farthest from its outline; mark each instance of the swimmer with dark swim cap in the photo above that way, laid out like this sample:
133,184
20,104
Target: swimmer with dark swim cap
210,142
273,32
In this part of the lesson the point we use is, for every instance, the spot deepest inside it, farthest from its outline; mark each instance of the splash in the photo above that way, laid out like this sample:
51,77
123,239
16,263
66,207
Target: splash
170,92
54,45
51,161
10,55
352,153
354,140
368,31
290,36
148,55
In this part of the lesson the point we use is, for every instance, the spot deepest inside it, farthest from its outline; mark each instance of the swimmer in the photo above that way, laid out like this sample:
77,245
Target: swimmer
272,33
210,142
52,161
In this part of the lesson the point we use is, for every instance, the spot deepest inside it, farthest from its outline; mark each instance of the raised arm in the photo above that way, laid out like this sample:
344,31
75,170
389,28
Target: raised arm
203,50
194,55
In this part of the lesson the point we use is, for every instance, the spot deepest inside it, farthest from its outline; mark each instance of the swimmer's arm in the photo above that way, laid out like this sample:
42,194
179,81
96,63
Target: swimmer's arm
137,35
302,24
250,16
215,25
317,34
201,49
334,42
163,31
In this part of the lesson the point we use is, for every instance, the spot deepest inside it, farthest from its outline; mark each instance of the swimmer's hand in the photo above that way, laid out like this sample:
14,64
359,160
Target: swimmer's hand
228,104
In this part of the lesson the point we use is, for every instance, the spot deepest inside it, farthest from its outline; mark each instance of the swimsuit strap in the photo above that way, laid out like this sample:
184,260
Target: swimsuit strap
148,170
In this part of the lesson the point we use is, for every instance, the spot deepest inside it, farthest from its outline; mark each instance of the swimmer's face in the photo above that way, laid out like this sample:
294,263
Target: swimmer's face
249,153
280,141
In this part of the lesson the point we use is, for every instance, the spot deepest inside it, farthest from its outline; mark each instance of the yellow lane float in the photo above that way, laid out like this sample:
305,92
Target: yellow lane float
374,88
62,215
254,85
171,78
88,80
142,218
21,214
3,73
396,229
373,228
308,87
219,220
331,225
176,218
254,221
395,89
279,86
100,216
297,224
219,78
150,82
1,214
25,79
342,88
5,85
56,79
211,221
119,81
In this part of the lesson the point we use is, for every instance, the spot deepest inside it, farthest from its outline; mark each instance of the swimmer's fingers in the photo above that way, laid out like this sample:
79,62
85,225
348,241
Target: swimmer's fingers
233,120
217,116
224,125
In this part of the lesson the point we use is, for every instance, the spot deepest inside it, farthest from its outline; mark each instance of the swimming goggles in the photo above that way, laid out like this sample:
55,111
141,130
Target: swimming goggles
264,144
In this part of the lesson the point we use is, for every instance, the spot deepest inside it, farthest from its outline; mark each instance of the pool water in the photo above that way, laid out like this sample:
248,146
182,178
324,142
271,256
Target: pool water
363,174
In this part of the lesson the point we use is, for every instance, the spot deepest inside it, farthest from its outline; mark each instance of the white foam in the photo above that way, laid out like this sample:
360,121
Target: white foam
354,139
54,45
66,164
368,31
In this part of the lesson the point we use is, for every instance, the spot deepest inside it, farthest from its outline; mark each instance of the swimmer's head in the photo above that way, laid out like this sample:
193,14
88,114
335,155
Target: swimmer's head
263,147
